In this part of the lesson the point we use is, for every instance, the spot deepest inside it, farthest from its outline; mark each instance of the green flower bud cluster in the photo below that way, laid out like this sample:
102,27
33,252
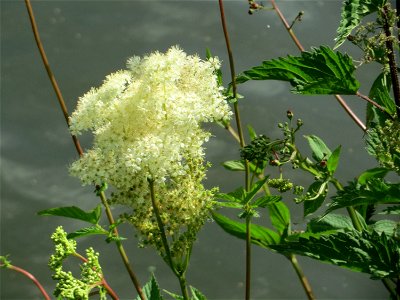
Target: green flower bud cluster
69,287
283,185
383,143
259,149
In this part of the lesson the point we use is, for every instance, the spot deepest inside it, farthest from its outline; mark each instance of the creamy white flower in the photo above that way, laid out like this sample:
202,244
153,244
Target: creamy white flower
146,122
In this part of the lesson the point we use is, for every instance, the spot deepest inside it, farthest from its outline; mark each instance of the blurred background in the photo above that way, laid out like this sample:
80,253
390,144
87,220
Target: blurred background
87,40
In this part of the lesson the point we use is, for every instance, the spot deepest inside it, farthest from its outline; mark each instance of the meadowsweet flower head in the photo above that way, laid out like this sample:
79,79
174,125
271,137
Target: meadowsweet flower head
146,122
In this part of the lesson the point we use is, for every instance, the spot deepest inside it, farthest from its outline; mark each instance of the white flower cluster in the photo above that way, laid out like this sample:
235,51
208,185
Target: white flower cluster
147,119
146,122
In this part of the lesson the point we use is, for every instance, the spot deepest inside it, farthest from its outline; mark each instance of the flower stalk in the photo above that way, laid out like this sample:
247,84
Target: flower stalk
30,276
76,142
180,274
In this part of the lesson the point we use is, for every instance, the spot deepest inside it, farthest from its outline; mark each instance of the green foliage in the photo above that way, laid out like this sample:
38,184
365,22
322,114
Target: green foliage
260,235
373,191
280,217
368,252
330,222
321,71
151,290
74,212
87,231
380,93
319,150
383,144
352,13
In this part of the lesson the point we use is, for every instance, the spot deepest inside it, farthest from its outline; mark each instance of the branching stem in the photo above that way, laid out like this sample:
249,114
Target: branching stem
77,144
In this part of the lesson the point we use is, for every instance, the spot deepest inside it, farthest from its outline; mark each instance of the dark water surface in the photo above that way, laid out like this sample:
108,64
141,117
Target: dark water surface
85,41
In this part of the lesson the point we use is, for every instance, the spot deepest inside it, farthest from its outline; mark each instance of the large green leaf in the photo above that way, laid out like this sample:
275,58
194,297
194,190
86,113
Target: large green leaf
380,93
330,222
151,290
260,235
366,252
374,191
352,13
74,212
280,216
321,71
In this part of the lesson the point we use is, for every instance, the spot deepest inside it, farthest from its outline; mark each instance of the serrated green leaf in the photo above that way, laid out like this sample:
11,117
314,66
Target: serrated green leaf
387,226
74,212
380,93
319,150
330,222
333,160
375,191
371,174
197,295
265,200
321,71
87,231
234,165
280,217
151,290
395,210
352,13
260,235
367,252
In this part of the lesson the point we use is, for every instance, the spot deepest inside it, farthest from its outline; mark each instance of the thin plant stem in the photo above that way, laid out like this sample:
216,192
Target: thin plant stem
31,277
300,274
341,101
350,210
366,98
242,144
179,274
392,60
248,256
121,248
78,147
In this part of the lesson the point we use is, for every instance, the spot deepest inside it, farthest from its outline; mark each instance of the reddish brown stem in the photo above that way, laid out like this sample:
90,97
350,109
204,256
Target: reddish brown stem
31,277
341,101
77,144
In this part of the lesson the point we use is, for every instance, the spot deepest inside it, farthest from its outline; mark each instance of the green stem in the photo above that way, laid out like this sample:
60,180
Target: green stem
350,210
300,274
248,256
180,274
392,291
182,283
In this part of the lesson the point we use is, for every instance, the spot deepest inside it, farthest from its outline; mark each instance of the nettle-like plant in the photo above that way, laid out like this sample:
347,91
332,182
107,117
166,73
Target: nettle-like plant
148,147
